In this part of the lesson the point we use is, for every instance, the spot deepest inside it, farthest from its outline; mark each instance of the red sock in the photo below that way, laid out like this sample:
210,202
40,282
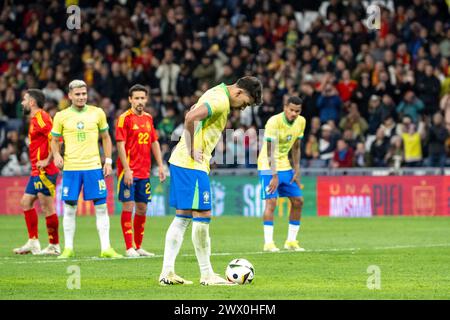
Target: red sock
127,229
31,219
52,228
139,224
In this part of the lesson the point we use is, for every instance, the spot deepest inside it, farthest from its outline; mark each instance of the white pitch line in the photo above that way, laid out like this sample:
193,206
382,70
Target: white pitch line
54,260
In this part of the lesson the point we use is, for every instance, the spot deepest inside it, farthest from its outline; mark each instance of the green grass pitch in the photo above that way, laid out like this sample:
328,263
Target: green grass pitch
412,254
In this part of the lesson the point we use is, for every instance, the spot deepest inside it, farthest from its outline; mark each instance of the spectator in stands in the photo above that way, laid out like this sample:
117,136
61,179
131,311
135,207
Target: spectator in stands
362,95
437,135
329,104
167,125
10,102
205,73
315,127
52,92
444,106
379,149
3,132
361,157
428,90
310,96
343,155
354,122
167,73
394,156
311,151
349,138
228,77
119,83
335,132
410,106
346,86
412,145
267,108
15,156
375,114
387,107
186,84
109,108
327,145
389,127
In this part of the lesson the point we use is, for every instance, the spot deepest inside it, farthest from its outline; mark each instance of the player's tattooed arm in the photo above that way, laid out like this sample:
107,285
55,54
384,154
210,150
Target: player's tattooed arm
190,122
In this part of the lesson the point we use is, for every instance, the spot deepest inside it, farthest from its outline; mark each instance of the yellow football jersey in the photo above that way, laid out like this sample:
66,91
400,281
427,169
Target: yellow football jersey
279,131
80,131
413,146
207,132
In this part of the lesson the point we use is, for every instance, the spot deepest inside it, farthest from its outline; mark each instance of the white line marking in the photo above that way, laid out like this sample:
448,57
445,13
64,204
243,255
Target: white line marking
54,260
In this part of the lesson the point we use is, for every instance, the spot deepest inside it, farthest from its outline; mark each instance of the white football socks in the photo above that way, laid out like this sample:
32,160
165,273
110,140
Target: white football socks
292,232
174,240
101,212
268,233
202,246
69,225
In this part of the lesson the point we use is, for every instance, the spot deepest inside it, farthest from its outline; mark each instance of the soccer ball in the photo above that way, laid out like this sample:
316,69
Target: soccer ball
240,271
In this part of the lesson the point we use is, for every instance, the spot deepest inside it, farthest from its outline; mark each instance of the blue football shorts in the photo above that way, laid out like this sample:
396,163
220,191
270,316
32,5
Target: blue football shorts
92,181
43,183
285,187
139,191
189,189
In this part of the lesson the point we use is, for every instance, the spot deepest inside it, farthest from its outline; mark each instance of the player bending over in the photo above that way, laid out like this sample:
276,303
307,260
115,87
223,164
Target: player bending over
80,125
283,132
190,191
136,138
42,182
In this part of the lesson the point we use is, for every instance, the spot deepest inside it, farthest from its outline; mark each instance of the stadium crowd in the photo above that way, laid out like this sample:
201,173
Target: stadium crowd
372,98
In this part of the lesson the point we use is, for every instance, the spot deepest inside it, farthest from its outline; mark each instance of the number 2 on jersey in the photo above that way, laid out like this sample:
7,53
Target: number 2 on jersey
143,138
148,190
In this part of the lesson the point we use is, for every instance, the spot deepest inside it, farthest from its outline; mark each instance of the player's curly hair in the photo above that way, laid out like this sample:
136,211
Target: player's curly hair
253,86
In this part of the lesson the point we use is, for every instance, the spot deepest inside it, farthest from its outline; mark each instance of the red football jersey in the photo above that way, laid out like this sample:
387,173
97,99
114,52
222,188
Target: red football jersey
138,133
39,136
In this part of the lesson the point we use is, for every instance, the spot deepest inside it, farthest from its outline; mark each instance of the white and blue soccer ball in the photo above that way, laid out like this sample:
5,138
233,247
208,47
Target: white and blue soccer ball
240,271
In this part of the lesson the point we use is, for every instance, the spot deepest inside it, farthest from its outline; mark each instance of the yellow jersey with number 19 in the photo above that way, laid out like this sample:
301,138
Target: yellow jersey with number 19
80,131
279,131
207,132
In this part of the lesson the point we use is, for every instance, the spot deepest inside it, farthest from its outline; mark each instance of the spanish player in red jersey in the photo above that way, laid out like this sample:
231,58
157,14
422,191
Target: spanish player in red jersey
42,182
136,138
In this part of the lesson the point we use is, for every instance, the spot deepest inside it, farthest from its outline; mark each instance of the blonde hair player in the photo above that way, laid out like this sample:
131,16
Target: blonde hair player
80,125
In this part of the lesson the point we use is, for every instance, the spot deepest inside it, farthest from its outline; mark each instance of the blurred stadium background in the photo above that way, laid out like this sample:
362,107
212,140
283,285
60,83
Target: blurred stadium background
377,144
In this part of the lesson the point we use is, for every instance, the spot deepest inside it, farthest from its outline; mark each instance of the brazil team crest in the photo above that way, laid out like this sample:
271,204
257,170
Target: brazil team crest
206,197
